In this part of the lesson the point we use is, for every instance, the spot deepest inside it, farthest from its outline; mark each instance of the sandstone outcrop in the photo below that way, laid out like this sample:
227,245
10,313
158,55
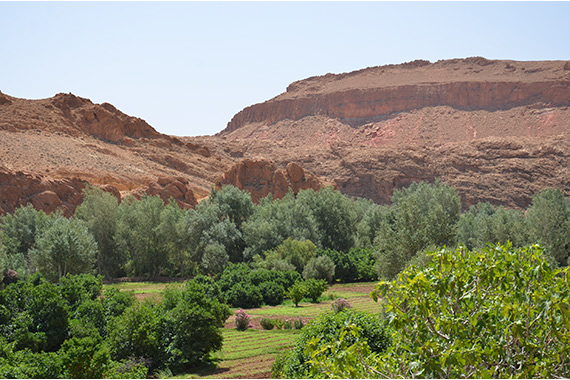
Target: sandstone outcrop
68,138
498,131
47,194
371,94
75,116
177,188
260,177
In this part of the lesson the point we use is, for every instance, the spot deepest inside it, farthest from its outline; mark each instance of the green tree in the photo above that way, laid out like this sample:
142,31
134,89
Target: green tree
549,221
34,314
85,358
135,333
170,233
314,289
189,329
370,216
297,292
215,258
321,337
99,211
422,214
319,268
138,236
484,224
66,246
273,221
19,234
234,204
498,312
290,255
334,215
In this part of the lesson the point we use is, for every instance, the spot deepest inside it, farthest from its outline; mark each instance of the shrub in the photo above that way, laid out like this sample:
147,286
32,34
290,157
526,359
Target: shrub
315,288
272,293
242,320
287,324
79,288
244,295
296,293
299,324
267,324
278,323
319,268
326,329
135,334
340,304
504,310
85,358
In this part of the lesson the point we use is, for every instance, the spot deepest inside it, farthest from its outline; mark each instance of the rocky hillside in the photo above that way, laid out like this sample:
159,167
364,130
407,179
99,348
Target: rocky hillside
496,130
51,148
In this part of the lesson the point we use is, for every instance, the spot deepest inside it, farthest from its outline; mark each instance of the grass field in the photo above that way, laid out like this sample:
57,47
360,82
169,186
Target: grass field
250,353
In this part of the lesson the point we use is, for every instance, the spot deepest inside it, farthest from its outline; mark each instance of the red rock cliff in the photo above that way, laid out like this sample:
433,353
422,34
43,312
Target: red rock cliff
260,177
374,93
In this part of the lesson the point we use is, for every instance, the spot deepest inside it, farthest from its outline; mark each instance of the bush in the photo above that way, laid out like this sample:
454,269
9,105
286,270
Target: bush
315,288
79,288
85,358
340,304
135,334
504,310
272,293
267,323
242,320
287,324
299,324
319,268
244,295
296,293
278,323
326,329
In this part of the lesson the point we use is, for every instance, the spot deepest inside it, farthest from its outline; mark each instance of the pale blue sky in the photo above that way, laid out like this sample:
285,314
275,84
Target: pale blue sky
188,67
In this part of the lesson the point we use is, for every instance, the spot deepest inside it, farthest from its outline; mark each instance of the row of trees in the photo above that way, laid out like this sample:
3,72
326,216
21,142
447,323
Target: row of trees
320,234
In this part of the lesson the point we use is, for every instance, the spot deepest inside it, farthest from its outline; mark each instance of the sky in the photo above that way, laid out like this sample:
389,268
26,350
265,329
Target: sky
188,67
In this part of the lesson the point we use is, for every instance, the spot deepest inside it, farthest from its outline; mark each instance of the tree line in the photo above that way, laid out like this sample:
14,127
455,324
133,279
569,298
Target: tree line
320,234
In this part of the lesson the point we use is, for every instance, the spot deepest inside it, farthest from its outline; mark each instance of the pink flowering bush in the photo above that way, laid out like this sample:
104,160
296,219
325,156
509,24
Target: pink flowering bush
340,304
242,320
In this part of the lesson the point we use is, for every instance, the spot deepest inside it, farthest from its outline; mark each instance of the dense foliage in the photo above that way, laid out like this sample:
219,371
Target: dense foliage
70,329
498,312
364,241
325,329
54,319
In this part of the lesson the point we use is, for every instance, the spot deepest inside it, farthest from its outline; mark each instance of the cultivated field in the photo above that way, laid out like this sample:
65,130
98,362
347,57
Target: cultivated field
250,353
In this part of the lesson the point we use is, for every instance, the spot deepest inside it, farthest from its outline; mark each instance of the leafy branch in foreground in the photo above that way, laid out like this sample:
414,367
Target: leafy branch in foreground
495,313
499,312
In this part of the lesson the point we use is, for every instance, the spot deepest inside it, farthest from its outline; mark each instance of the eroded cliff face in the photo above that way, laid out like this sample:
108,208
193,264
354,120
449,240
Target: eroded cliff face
260,177
49,194
372,94
51,148
498,131
73,115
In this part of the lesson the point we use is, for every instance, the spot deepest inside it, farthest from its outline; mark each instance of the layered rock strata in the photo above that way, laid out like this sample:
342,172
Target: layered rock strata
368,95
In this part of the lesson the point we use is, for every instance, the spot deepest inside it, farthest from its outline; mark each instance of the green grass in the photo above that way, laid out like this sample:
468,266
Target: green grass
247,353
251,353
141,290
